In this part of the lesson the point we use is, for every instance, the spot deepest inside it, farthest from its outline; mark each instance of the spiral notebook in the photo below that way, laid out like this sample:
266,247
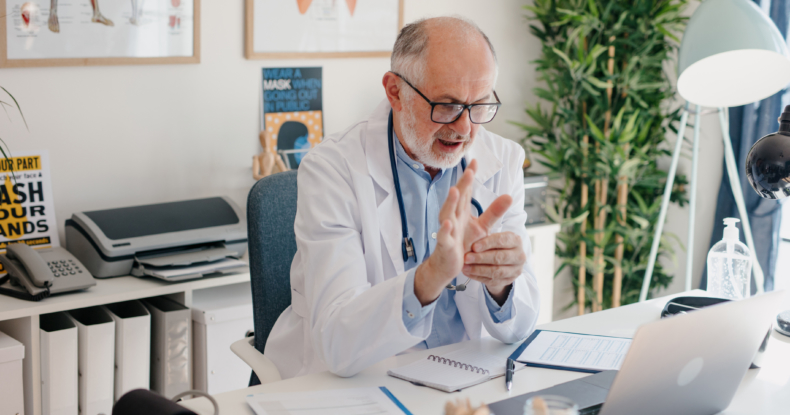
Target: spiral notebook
452,371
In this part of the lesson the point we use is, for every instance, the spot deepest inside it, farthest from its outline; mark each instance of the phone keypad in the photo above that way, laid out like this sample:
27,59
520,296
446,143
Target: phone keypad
64,267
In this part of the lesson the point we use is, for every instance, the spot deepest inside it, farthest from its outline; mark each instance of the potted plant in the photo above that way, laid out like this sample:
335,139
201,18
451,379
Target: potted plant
599,130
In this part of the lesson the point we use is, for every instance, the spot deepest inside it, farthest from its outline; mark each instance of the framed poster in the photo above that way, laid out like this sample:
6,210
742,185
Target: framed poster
99,32
284,29
293,111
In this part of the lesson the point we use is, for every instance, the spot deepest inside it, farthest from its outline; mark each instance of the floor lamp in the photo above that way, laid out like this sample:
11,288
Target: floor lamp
731,54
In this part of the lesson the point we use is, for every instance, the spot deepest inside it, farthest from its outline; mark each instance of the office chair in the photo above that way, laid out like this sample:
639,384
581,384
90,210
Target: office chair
271,211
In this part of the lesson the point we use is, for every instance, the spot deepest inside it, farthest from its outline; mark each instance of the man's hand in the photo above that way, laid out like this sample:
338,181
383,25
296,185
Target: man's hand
447,259
496,261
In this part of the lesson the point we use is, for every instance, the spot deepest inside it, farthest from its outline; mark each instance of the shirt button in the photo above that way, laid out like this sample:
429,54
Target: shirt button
433,235
416,166
411,315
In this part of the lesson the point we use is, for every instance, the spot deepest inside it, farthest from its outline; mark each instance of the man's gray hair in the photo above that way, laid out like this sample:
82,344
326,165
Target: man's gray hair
408,54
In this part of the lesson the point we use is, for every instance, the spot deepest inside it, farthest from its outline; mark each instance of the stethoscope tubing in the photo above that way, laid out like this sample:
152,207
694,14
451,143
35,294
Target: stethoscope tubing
407,245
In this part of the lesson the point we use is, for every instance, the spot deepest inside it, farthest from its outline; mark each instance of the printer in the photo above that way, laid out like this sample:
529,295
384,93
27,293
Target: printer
173,241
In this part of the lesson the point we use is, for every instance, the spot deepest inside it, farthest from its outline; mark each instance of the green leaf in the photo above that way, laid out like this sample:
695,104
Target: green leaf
17,107
592,7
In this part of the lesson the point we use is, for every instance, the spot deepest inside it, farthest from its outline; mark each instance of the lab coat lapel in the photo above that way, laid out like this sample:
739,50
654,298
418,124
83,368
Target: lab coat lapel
380,170
488,165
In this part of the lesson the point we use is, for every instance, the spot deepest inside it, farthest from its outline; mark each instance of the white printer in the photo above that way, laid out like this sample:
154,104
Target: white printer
159,240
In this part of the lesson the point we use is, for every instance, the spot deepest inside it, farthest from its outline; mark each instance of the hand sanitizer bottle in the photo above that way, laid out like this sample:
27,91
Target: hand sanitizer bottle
729,265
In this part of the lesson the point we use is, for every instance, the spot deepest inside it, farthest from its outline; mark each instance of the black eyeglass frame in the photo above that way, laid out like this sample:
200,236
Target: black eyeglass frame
466,107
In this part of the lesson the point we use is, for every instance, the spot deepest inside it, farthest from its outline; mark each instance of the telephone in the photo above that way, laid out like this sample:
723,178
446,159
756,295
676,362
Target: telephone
37,274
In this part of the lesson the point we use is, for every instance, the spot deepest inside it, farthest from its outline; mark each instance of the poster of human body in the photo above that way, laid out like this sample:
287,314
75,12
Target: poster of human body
322,26
293,111
56,31
27,212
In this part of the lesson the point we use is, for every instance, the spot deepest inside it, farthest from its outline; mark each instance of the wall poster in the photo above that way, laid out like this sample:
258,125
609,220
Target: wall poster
293,116
27,212
321,28
99,32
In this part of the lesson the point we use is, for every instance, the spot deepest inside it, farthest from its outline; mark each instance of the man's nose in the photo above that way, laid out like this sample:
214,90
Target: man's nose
463,125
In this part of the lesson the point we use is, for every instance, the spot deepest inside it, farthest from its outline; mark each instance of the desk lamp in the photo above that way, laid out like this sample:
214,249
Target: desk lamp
768,171
731,54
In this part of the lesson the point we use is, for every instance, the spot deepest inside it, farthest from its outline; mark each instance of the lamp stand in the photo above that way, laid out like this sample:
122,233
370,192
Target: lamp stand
735,184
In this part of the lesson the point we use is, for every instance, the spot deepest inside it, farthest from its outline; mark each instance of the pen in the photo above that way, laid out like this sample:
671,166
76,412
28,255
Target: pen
509,368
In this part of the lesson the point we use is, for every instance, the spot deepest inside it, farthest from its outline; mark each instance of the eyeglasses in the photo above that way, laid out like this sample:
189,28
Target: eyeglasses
448,113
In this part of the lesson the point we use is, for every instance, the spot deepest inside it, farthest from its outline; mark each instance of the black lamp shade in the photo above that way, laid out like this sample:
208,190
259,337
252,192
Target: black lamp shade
768,162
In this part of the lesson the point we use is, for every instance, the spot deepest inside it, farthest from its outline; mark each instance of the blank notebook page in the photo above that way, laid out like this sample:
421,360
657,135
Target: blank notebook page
449,376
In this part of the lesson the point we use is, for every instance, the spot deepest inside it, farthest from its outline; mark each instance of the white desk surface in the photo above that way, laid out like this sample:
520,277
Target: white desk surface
762,391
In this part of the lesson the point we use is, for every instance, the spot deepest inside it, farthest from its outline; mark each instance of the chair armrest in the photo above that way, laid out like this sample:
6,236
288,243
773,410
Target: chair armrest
263,367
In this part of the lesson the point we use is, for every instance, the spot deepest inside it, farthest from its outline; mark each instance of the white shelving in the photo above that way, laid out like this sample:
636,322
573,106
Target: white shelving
20,319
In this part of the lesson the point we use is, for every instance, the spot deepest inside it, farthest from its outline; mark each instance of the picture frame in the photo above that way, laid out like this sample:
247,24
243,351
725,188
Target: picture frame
131,32
337,25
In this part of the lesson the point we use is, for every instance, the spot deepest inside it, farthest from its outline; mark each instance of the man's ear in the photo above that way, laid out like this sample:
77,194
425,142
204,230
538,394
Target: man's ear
392,89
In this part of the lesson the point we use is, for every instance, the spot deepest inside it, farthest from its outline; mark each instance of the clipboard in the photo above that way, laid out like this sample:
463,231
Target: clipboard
518,352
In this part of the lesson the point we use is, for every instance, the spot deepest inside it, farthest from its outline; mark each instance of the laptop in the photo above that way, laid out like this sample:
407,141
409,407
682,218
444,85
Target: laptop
685,364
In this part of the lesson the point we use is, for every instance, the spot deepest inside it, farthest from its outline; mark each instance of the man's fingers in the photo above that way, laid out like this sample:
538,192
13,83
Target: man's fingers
495,211
496,257
448,208
502,240
489,273
444,238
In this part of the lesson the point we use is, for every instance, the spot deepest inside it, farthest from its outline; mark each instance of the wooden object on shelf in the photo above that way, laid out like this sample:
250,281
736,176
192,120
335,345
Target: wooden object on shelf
267,162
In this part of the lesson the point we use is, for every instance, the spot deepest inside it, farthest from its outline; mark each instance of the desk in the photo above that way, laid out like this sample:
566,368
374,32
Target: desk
762,391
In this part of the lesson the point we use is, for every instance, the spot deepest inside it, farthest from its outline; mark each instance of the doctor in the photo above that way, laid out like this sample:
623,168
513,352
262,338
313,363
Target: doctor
383,268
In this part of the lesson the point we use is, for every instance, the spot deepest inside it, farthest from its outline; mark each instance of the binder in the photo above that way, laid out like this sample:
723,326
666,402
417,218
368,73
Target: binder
220,316
132,346
171,359
12,352
59,369
96,361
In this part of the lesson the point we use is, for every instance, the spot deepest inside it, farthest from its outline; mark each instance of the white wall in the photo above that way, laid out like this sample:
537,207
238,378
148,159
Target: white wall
126,135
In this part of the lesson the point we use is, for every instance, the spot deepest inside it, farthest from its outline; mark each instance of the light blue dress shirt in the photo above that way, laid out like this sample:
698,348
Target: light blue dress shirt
423,197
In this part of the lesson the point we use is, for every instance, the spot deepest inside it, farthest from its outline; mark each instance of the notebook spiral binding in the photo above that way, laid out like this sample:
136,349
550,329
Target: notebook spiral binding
460,365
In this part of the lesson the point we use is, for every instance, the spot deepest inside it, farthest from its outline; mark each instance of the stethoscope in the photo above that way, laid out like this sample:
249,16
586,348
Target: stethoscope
407,246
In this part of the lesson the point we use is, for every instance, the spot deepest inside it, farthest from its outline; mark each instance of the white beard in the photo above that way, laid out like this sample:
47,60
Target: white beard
423,149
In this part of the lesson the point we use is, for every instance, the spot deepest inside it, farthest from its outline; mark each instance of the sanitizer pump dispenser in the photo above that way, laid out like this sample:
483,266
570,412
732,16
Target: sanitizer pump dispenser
729,265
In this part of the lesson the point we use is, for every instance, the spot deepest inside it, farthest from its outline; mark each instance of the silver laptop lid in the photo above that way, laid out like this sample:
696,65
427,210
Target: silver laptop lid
693,363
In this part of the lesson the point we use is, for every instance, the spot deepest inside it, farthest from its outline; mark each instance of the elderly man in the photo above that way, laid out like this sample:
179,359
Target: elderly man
410,227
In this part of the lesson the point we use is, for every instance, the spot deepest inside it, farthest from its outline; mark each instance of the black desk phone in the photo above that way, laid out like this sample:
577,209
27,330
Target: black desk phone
37,274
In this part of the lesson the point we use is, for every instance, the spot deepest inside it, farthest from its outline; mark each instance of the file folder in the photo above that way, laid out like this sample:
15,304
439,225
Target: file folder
96,361
59,369
220,316
132,346
11,390
171,359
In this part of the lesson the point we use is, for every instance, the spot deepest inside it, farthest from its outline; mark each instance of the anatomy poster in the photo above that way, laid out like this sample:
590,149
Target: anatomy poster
27,213
324,26
293,111
85,29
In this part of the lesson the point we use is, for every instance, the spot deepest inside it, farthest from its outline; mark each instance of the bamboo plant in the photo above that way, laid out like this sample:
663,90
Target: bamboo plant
599,130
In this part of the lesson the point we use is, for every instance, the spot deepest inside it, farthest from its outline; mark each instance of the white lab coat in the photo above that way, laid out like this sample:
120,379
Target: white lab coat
347,276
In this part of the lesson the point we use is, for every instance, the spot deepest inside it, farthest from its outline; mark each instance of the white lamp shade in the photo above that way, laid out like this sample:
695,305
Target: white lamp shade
731,54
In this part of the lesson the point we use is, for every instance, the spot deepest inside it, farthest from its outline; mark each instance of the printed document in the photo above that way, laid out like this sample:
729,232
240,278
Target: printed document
358,401
576,351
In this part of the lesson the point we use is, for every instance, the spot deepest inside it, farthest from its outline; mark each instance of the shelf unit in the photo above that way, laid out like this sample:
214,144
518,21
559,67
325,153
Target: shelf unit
20,319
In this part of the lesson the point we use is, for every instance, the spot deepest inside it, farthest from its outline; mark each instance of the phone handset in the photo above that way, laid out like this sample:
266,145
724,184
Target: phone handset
34,265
